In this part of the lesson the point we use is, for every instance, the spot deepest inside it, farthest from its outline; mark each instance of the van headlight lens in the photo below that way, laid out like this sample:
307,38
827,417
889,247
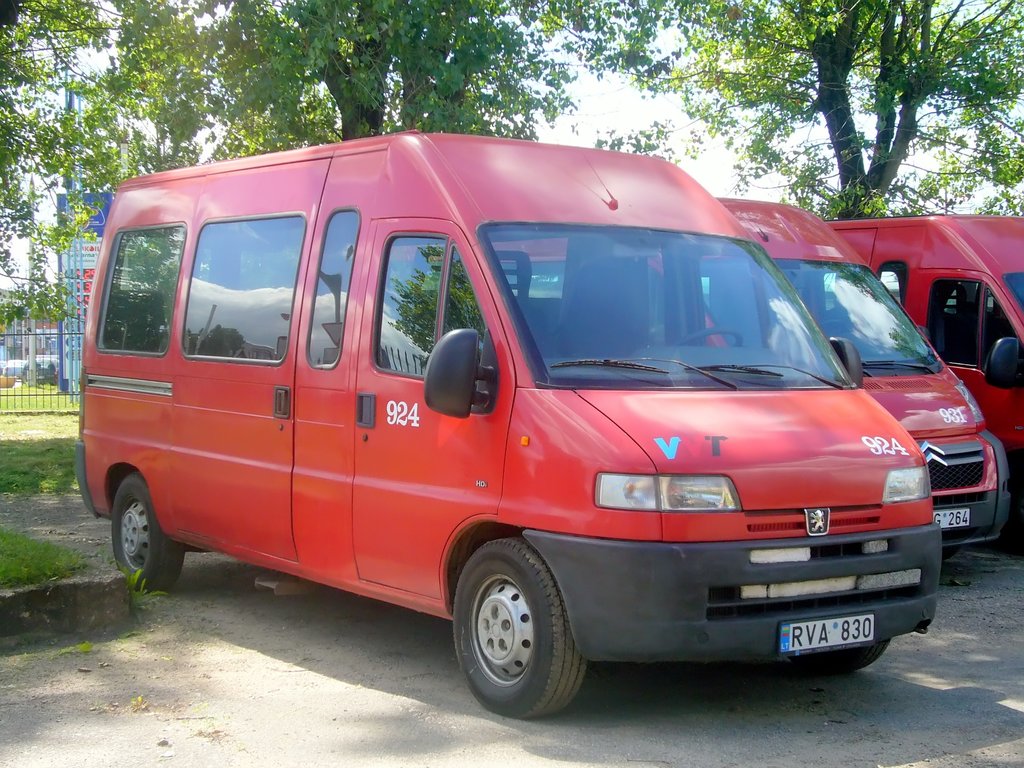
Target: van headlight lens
971,402
627,492
906,485
693,493
667,493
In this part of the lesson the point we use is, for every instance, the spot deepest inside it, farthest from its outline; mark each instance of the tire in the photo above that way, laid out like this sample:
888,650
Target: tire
1012,537
512,634
139,543
841,662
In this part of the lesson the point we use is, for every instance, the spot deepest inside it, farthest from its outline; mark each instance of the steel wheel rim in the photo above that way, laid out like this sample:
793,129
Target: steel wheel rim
502,631
135,534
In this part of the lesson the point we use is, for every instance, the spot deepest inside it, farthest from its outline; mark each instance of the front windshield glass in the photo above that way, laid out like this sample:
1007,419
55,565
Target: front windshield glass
848,301
1016,282
625,308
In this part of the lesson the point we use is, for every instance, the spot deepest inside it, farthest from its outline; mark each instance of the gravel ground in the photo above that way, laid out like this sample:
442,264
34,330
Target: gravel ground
220,673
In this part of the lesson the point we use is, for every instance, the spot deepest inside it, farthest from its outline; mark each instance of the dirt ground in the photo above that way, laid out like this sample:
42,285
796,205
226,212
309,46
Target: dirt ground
220,673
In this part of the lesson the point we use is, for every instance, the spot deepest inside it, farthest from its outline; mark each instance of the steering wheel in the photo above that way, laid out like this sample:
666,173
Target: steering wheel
705,332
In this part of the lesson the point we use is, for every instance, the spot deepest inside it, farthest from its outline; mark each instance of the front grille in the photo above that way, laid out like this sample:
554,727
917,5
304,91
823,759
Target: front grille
725,603
960,499
955,476
796,520
955,465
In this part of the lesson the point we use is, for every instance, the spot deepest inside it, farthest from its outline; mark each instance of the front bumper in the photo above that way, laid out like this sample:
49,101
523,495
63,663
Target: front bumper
655,601
989,510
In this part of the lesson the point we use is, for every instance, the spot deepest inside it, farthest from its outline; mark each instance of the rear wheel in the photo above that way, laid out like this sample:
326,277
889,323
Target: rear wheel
512,633
1012,537
840,662
139,543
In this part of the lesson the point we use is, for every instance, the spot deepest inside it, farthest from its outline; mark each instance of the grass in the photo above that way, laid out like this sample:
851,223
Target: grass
45,397
37,453
26,562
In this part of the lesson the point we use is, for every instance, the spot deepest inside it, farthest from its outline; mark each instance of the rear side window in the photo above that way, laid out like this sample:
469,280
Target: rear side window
243,284
140,294
329,304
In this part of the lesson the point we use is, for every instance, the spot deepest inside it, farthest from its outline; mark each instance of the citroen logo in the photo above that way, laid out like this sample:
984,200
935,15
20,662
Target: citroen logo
817,521
933,453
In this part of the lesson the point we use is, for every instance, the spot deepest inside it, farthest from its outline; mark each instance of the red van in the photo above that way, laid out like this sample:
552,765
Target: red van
502,382
966,463
962,278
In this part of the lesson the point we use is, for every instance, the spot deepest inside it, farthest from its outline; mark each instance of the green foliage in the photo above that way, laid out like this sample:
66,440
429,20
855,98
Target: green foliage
27,562
170,83
836,95
139,596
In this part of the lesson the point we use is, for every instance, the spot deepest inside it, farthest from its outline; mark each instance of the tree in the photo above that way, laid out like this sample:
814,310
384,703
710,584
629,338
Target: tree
838,95
40,141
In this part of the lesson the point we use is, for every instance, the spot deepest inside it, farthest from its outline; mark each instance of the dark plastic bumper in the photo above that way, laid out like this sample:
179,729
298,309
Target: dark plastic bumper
653,601
989,514
83,486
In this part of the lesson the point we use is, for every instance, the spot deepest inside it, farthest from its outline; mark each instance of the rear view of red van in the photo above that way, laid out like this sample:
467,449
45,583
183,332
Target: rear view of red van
962,278
505,383
966,462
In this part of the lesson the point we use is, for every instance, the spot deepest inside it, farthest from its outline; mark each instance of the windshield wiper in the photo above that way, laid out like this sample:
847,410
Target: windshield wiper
742,369
763,371
694,368
608,363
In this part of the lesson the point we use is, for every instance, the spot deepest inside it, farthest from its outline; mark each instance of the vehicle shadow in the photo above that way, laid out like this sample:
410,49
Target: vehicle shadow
911,705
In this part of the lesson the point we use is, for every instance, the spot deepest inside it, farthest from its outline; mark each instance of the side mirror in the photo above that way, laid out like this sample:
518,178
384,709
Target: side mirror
850,358
455,382
1002,363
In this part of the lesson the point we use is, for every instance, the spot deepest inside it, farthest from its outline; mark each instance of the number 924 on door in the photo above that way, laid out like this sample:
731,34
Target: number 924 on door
808,636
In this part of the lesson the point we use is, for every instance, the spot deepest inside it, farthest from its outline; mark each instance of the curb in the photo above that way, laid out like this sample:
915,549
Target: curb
77,603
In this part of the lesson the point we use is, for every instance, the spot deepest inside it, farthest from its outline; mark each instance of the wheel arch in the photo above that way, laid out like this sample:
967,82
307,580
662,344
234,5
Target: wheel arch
116,475
464,544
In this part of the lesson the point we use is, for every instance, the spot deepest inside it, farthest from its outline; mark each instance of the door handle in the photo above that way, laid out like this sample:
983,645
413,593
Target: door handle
282,403
366,410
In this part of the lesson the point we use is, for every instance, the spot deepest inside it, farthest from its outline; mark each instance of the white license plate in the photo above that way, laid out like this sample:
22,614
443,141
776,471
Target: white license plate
804,636
953,518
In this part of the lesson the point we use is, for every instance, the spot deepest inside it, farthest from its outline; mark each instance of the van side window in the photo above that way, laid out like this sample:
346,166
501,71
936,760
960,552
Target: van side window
407,311
953,317
996,323
243,282
461,309
331,299
140,297
893,275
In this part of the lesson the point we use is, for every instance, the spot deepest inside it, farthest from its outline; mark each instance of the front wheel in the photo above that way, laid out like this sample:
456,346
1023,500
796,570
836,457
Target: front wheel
512,633
139,543
840,662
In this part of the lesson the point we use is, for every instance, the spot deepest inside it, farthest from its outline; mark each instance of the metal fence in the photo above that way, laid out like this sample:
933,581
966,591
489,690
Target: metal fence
39,365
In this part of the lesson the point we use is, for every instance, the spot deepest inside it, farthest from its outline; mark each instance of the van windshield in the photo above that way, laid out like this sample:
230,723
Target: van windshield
627,308
1016,282
848,301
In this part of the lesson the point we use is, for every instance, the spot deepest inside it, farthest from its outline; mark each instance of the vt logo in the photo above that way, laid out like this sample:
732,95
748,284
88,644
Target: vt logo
670,447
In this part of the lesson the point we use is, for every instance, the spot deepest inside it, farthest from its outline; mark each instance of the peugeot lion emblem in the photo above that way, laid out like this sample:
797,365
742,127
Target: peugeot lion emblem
817,521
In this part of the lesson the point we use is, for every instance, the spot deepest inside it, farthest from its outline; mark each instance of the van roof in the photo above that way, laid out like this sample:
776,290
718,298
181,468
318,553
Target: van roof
985,242
788,232
481,179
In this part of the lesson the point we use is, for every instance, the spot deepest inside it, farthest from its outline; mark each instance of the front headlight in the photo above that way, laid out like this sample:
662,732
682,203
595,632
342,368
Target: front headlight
971,402
667,493
906,485
693,493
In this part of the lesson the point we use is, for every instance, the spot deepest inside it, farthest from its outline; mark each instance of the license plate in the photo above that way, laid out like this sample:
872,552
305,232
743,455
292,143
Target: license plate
806,636
953,518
